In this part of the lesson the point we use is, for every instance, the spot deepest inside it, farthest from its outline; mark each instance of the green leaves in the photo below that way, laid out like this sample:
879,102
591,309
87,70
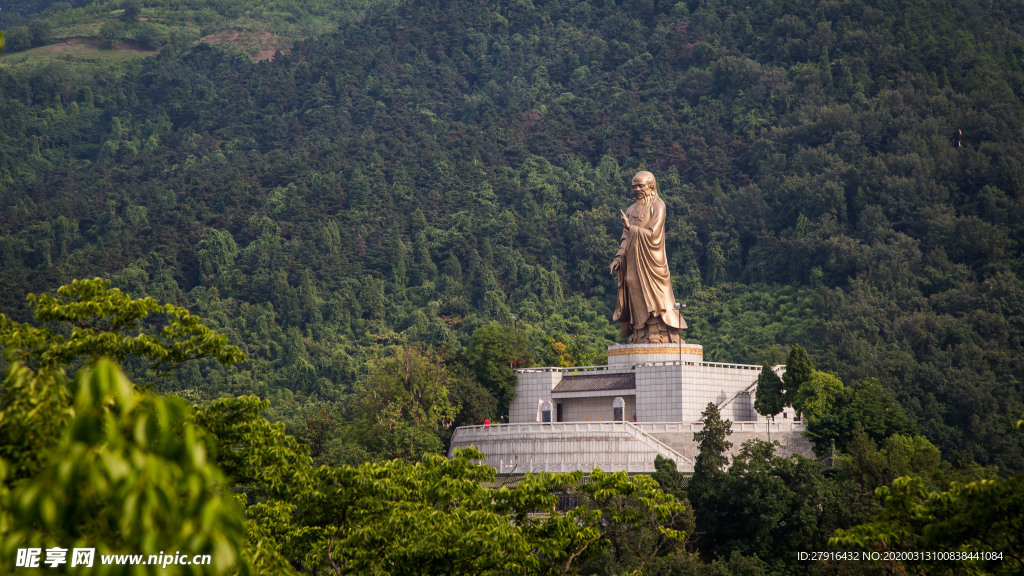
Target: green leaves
129,475
865,406
986,516
799,369
633,518
254,452
99,464
439,516
105,322
404,407
492,351
816,397
773,506
33,413
432,517
770,398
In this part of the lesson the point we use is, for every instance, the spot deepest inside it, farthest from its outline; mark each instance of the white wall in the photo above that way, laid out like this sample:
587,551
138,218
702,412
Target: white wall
532,386
707,382
659,395
593,409
665,392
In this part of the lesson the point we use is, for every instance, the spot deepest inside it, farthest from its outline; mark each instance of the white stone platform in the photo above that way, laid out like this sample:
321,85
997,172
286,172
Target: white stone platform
647,401
610,446
567,447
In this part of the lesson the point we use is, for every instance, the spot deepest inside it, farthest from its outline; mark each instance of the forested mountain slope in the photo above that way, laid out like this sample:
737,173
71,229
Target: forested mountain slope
847,176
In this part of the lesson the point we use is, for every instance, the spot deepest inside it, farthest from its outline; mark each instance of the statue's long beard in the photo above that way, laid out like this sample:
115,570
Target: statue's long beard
645,205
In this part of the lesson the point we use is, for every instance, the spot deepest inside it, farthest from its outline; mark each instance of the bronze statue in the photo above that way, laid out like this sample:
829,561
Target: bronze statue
645,308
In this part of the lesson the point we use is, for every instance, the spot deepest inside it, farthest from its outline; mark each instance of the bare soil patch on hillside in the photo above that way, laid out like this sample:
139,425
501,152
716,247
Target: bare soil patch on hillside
260,45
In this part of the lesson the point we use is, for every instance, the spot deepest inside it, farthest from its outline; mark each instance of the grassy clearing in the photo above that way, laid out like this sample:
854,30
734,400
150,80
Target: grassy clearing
75,50
99,34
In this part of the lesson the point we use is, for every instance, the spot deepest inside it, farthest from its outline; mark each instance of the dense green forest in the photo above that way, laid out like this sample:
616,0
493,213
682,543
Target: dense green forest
385,196
116,468
441,166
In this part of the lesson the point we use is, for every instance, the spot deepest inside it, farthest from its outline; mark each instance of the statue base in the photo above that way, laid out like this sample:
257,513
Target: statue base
655,331
620,355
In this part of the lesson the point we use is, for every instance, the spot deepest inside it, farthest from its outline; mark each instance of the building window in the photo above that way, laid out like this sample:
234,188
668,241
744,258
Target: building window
618,409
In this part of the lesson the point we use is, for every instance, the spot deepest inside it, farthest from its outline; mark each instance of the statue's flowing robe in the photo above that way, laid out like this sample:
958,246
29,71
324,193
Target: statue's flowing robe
644,286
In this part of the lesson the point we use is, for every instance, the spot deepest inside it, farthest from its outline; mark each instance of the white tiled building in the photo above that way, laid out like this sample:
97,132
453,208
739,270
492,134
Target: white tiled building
647,401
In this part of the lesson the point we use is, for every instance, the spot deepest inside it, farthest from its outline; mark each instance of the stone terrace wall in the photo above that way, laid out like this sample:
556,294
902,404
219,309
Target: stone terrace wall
565,447
788,434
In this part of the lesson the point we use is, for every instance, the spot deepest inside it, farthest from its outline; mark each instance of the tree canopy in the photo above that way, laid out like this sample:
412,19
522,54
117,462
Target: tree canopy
406,178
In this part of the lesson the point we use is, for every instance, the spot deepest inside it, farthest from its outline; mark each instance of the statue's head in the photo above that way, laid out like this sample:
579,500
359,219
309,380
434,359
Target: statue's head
644,185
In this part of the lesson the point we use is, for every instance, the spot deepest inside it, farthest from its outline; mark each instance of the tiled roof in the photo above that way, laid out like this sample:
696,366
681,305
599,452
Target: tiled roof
596,382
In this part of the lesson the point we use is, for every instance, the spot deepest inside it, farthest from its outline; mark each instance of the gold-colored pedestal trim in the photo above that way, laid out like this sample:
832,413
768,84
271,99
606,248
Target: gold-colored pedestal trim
659,350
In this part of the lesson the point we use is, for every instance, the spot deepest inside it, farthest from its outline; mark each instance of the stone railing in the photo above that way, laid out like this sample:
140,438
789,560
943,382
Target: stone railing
624,369
570,369
701,364
662,427
682,462
645,427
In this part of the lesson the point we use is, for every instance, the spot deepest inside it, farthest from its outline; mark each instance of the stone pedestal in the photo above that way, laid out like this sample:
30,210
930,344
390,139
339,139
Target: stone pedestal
626,355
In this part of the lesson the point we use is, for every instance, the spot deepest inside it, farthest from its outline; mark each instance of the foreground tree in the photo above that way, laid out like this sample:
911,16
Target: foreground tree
90,321
438,516
979,526
104,322
97,462
404,409
128,474
777,506
771,397
709,469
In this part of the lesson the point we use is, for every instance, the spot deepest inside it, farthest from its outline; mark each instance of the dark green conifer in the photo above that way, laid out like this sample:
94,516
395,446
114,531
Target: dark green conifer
709,468
771,396
799,370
